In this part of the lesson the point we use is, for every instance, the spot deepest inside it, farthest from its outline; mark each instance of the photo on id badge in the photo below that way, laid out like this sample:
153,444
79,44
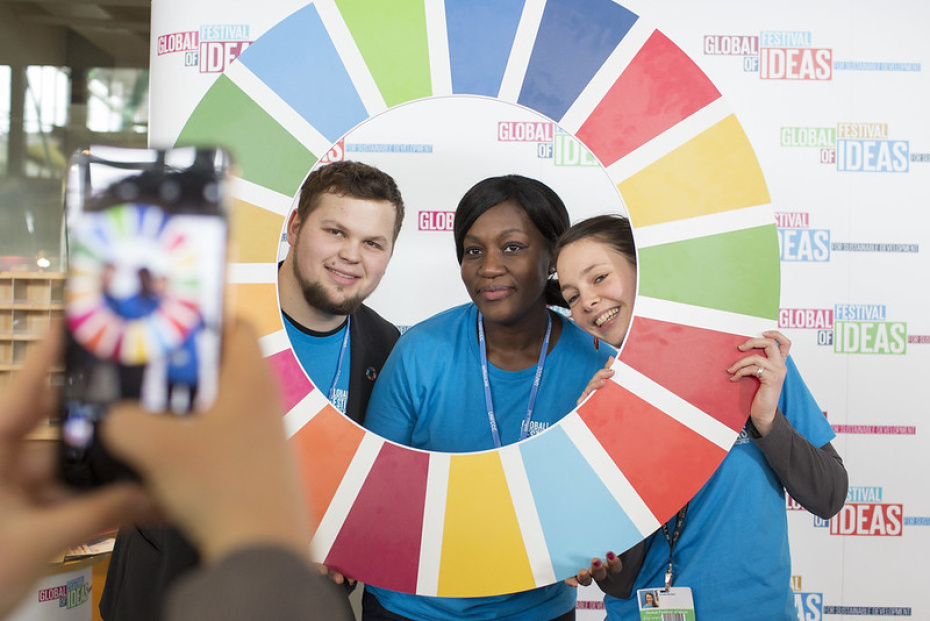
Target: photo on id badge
674,604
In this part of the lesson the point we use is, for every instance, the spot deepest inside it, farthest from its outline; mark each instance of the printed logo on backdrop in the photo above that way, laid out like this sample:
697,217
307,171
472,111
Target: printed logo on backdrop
552,142
874,611
868,430
809,606
850,328
426,220
855,147
71,595
791,55
341,149
798,242
336,153
865,329
866,520
211,48
865,514
582,604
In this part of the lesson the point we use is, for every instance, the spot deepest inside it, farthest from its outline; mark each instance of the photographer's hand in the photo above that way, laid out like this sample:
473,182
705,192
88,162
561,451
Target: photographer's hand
225,476
39,518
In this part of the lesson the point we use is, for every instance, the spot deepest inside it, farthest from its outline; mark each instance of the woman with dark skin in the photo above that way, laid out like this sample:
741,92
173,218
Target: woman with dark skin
465,379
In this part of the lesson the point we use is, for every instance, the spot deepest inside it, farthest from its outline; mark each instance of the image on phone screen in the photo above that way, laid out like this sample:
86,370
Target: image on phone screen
144,293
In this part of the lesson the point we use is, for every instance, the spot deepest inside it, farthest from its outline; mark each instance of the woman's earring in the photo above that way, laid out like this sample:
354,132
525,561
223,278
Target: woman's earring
597,344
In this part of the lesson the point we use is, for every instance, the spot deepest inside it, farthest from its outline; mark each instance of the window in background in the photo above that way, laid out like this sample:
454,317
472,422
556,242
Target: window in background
64,109
117,100
4,116
48,93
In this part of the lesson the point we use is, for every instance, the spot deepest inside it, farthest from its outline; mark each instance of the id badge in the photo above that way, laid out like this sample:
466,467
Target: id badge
676,604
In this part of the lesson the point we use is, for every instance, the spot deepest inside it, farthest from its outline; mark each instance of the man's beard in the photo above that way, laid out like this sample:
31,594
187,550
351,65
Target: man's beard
316,296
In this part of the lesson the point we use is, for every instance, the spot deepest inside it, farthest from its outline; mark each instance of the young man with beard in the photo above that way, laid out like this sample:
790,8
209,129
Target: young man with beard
342,236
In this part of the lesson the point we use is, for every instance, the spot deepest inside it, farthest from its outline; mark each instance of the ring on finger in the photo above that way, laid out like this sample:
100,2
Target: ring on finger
760,372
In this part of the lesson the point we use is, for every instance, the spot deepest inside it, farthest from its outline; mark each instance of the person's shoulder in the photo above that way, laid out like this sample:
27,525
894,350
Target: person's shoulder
369,319
442,327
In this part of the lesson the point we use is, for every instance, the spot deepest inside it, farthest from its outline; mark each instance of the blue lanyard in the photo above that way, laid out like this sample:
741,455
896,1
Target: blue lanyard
342,355
489,401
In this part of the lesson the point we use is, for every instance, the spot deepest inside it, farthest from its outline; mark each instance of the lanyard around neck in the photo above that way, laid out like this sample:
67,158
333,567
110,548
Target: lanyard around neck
342,355
672,540
489,400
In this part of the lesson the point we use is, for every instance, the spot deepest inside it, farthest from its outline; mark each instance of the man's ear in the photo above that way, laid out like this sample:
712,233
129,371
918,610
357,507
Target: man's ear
293,227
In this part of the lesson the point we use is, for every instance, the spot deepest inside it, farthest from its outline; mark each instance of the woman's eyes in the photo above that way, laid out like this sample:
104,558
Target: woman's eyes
511,248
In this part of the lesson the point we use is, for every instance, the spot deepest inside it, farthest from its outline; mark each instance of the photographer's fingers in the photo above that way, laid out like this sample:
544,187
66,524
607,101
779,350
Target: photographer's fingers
54,528
226,475
152,443
19,412
245,377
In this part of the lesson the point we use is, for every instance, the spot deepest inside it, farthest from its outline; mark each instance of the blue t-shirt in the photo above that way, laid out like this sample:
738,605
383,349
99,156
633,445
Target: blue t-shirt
733,550
318,353
430,395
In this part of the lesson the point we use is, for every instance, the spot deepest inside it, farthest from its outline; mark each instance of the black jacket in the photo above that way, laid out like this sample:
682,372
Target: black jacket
147,560
371,340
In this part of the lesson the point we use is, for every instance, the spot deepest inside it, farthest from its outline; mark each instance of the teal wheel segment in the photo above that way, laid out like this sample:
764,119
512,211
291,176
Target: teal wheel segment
562,481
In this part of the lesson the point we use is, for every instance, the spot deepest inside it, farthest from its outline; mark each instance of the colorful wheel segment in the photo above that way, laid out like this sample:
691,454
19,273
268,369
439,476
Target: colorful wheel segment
134,326
635,451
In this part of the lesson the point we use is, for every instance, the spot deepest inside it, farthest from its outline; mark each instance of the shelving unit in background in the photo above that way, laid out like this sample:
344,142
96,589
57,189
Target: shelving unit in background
28,302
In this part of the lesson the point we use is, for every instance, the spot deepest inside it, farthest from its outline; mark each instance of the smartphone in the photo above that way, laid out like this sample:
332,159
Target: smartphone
145,232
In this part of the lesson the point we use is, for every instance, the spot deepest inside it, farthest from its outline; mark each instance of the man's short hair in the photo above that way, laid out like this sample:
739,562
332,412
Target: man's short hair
353,179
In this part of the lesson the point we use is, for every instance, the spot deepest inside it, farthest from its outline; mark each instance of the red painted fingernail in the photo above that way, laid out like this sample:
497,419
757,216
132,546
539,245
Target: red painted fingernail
597,564
611,556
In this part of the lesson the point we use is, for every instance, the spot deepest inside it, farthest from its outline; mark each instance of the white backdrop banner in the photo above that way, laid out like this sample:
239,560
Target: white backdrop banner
833,97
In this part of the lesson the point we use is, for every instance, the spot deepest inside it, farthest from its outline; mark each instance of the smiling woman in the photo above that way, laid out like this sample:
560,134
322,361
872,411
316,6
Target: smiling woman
598,278
518,367
504,521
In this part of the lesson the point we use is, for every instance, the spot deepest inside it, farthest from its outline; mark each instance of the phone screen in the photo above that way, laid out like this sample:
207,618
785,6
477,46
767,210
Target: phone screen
146,234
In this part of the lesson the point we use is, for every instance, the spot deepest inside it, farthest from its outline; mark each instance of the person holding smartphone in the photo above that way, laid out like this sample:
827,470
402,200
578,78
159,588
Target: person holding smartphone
341,238
209,474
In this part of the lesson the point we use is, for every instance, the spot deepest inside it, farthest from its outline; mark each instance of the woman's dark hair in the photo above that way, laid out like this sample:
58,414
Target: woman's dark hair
540,202
613,230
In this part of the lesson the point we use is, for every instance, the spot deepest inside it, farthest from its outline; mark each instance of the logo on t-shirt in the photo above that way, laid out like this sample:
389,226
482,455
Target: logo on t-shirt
535,427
